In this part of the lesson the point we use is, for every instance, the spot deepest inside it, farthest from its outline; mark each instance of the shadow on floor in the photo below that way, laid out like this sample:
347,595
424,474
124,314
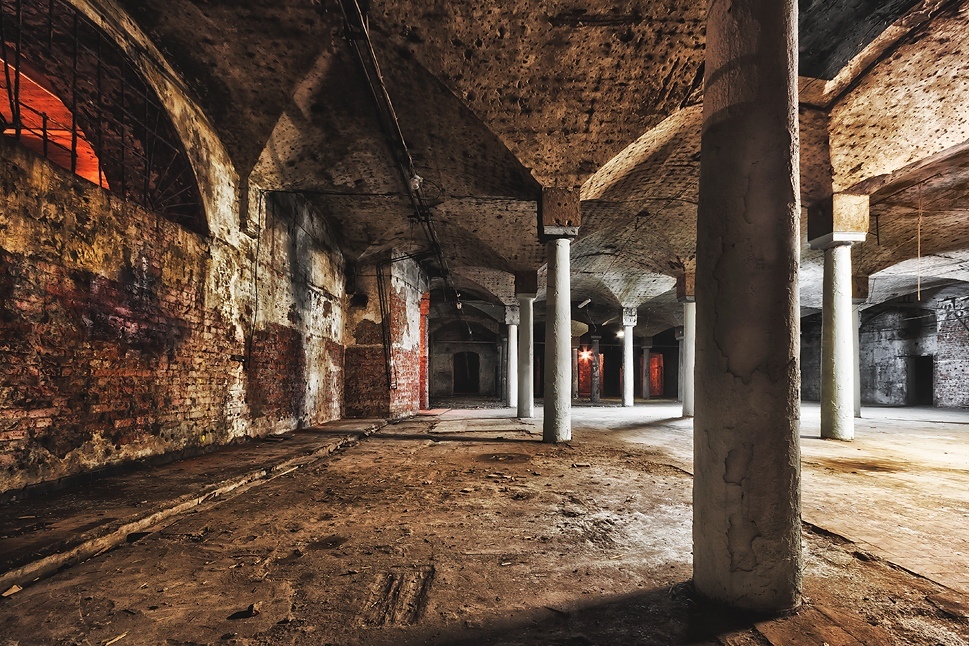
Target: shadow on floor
660,616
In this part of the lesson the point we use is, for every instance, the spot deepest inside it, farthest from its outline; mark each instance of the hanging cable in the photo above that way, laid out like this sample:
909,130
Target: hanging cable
358,35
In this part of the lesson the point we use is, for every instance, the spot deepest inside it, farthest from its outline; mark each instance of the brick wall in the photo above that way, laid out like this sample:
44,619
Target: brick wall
450,338
123,335
369,392
889,340
952,354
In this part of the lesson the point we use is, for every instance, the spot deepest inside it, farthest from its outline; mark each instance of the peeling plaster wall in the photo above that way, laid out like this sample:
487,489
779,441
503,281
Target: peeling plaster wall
124,336
368,390
952,356
889,341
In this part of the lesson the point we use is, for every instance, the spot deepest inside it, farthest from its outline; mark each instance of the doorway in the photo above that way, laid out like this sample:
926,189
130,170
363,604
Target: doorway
922,385
467,367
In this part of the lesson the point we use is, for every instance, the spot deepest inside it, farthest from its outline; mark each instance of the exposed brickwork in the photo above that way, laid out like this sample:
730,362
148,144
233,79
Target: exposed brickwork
425,350
368,390
117,340
952,355
891,341
366,382
277,373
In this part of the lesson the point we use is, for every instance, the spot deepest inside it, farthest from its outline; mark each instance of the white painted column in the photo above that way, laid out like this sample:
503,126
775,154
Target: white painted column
557,425
856,352
689,356
837,346
628,367
746,490
511,381
526,356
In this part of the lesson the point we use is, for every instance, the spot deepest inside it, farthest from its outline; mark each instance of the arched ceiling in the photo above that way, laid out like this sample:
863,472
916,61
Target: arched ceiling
495,100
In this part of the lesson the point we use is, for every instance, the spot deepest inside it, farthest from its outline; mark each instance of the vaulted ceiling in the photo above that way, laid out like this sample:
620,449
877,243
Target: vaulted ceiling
496,99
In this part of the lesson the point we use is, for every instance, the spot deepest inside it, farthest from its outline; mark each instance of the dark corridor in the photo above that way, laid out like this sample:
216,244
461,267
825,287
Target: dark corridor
922,384
467,368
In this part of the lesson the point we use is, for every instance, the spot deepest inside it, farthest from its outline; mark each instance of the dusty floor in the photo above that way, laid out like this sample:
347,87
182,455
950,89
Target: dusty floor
464,528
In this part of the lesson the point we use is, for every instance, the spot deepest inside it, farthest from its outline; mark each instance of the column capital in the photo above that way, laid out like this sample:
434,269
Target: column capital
686,287
559,213
526,283
629,317
839,219
512,315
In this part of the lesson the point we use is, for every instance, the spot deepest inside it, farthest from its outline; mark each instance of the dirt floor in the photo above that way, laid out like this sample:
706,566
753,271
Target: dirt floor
461,529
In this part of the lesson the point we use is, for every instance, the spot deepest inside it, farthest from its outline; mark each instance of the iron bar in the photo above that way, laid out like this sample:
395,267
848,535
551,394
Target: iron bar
17,121
73,101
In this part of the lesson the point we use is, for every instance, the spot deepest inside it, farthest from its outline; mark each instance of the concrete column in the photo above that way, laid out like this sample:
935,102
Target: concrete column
511,380
526,356
837,346
689,357
557,425
629,320
596,372
856,355
628,369
746,494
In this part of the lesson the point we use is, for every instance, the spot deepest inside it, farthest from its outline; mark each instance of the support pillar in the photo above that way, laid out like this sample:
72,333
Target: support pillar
859,296
511,374
559,219
596,372
746,523
837,346
526,356
856,355
689,357
647,350
833,225
557,425
628,369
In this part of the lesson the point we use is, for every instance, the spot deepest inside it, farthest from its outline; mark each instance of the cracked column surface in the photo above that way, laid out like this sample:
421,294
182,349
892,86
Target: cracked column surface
746,525
512,380
689,357
837,346
557,425
526,356
628,374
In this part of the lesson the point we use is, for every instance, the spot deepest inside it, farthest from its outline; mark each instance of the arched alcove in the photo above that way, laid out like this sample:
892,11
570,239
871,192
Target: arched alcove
71,95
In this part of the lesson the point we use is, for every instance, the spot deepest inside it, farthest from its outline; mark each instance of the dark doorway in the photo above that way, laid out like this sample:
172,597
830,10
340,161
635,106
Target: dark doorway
467,367
922,386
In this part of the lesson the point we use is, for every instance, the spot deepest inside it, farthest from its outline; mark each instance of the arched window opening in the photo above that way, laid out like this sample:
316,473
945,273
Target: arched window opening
71,95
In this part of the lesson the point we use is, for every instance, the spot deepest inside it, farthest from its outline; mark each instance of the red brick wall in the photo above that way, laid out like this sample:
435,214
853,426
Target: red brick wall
123,335
368,390
425,351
